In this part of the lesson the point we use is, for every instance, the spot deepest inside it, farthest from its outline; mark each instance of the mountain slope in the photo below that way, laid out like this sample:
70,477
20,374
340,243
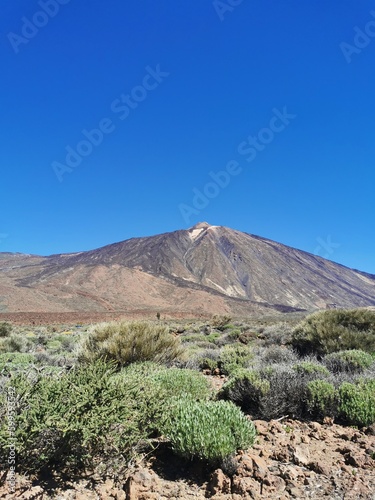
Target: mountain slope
205,268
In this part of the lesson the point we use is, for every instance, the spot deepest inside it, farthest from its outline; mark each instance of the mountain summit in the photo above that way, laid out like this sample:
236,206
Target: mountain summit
207,269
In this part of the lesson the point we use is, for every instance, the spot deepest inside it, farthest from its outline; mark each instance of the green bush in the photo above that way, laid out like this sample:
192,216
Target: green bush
246,389
127,342
234,333
54,345
67,420
357,402
354,361
14,343
207,430
308,368
182,382
233,357
152,386
321,398
5,329
278,354
14,361
221,322
335,330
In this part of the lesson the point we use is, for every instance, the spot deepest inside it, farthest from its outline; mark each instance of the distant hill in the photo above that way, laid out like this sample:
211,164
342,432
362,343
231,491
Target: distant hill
205,269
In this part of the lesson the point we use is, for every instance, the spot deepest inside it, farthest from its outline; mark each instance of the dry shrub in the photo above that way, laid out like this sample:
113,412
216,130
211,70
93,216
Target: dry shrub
126,342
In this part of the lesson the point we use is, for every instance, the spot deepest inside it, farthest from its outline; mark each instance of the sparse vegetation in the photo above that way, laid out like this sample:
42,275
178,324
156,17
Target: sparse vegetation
101,394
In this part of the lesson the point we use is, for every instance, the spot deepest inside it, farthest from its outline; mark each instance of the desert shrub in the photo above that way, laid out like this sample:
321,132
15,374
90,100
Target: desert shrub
170,382
139,369
153,386
277,334
234,356
220,322
321,398
207,430
15,343
127,342
310,369
183,382
277,354
15,361
246,389
234,334
287,393
54,345
204,360
357,402
202,338
69,419
352,360
5,329
335,330
67,342
53,359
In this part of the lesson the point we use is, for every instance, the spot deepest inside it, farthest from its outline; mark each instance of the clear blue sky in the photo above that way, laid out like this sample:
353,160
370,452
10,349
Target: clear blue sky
217,76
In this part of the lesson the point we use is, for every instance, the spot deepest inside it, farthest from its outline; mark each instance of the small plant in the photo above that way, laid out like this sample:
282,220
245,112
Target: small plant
15,361
182,382
15,343
207,430
54,345
5,329
233,357
353,361
321,398
277,334
234,334
246,389
286,395
220,322
307,368
357,402
278,354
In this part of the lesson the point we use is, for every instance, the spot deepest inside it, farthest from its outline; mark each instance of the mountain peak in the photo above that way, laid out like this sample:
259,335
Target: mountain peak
204,268
200,225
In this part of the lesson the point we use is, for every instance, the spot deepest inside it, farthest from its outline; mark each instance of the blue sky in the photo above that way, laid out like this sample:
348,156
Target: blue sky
154,99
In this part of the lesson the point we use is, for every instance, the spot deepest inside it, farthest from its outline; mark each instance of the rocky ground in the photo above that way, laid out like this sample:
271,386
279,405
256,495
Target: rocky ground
291,459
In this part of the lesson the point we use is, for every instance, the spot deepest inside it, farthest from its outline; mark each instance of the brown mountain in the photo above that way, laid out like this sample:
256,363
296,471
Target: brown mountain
205,269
